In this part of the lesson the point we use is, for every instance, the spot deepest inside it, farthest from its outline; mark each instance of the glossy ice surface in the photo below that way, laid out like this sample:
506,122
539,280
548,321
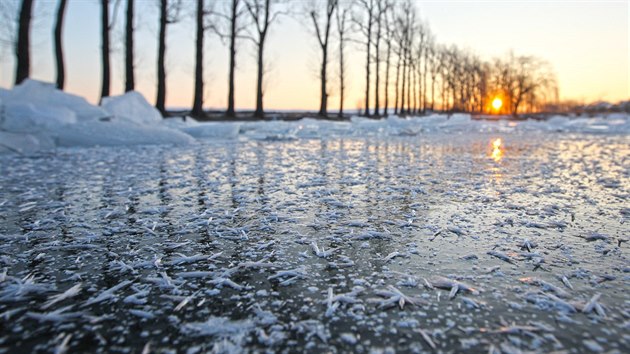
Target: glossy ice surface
435,242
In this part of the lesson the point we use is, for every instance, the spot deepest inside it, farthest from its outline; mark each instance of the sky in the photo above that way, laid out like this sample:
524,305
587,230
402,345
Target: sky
586,43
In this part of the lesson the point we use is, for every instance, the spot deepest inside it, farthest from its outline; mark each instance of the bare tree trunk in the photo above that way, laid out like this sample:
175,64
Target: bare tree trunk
377,59
342,16
342,85
432,93
444,94
161,88
197,109
414,80
387,64
367,68
419,83
130,83
22,48
260,112
263,13
105,47
409,71
404,82
418,79
61,73
397,85
230,109
322,38
322,75
424,79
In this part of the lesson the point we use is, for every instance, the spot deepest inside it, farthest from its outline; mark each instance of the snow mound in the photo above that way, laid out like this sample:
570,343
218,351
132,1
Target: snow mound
132,107
45,96
36,116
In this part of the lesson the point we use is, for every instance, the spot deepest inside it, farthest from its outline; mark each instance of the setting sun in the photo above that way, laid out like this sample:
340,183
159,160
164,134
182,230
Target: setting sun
497,103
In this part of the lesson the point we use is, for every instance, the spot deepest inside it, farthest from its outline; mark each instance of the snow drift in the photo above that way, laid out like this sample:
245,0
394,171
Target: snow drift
35,116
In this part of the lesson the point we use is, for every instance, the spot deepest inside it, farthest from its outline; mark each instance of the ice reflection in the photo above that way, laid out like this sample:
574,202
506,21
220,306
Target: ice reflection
497,150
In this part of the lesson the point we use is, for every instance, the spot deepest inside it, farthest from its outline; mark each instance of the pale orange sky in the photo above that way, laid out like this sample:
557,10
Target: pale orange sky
585,41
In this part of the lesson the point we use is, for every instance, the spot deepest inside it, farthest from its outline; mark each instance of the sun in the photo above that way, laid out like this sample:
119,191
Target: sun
497,103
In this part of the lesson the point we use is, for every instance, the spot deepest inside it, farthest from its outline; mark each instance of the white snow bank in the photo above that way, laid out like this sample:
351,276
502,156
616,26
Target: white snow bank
46,96
132,107
36,116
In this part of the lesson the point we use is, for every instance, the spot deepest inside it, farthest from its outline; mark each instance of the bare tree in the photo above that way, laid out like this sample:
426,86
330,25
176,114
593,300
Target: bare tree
197,110
404,24
105,48
382,8
389,42
427,45
233,33
365,25
342,16
129,74
522,77
434,69
169,14
22,48
226,23
409,41
322,23
419,56
61,75
263,13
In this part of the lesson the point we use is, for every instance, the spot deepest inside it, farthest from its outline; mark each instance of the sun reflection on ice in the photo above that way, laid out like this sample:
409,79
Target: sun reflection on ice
497,151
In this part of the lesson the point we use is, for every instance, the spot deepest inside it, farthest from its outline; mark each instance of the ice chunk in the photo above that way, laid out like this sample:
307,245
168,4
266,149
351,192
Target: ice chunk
24,143
45,97
132,107
223,130
112,133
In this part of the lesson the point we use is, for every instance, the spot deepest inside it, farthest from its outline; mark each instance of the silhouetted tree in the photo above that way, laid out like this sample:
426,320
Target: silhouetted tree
404,23
389,42
61,74
197,109
105,47
322,23
263,13
235,13
169,14
130,82
227,25
342,16
366,8
382,7
22,48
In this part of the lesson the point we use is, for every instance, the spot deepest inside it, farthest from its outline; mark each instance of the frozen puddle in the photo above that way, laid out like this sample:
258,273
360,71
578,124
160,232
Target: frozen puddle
430,243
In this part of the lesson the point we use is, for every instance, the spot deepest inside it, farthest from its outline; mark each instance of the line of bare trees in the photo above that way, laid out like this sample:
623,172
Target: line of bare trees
403,61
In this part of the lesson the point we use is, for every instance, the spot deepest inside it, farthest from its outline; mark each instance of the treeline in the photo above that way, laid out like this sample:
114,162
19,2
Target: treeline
406,70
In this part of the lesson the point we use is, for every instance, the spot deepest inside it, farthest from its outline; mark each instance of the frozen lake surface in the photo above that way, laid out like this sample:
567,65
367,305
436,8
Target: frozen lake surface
413,244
